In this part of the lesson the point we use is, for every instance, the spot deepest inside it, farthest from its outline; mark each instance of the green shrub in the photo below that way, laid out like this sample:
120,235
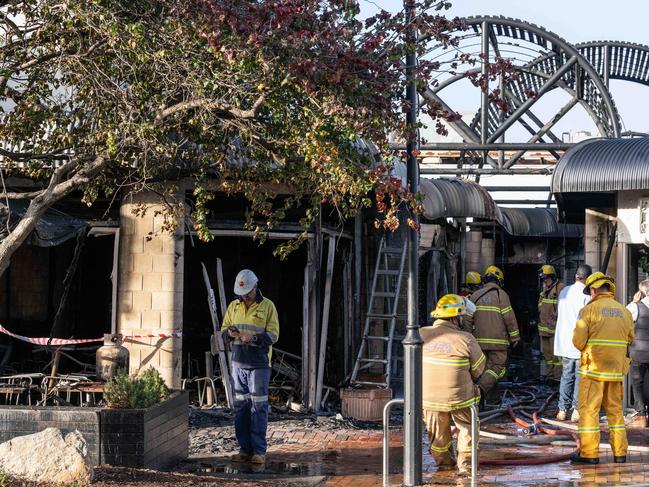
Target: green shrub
135,392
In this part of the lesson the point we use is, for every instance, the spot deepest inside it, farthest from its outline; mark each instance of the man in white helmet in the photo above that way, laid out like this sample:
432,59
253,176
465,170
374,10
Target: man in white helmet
252,325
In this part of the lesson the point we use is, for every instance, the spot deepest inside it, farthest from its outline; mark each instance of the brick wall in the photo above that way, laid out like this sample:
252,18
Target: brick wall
19,421
150,287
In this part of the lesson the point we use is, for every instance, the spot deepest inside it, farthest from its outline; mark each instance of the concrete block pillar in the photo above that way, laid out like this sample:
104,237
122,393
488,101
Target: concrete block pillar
473,258
150,287
487,252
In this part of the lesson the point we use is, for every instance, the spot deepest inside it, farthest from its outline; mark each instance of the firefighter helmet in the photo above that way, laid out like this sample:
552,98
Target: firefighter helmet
492,270
547,271
597,280
448,306
473,278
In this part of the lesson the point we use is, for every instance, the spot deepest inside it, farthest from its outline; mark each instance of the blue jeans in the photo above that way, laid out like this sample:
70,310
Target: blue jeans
569,387
250,388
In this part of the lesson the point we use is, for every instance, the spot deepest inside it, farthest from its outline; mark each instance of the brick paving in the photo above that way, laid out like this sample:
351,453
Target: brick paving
352,457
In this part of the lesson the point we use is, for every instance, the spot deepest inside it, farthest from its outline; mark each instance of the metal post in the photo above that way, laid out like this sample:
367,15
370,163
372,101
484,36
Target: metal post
386,439
475,433
412,343
484,105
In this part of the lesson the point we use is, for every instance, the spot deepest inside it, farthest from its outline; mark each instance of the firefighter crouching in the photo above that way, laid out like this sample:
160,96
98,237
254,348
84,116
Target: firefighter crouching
603,334
548,305
452,360
494,326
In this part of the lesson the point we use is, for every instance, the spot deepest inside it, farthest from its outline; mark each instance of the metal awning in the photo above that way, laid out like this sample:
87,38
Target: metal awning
538,222
459,198
590,174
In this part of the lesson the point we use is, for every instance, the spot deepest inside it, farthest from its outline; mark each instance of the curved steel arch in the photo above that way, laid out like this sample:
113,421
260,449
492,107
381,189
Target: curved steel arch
618,60
556,64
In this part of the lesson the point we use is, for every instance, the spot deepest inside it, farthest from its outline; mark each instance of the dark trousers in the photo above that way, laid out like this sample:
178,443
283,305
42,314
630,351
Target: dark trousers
637,374
250,387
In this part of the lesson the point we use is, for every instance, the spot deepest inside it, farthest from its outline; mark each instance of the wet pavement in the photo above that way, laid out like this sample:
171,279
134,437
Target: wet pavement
312,452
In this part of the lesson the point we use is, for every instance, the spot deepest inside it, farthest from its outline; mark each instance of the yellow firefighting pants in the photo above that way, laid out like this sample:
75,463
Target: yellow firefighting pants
495,369
552,362
594,395
438,425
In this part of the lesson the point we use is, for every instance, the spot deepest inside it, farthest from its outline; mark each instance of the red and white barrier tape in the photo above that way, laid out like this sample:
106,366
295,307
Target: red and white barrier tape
76,341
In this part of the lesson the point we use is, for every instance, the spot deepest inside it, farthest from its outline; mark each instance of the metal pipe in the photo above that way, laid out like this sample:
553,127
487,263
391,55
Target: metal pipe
386,439
475,432
492,146
468,171
412,343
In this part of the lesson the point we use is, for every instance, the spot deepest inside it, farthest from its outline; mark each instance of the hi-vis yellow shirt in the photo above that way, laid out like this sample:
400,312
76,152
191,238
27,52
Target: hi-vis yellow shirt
603,334
261,320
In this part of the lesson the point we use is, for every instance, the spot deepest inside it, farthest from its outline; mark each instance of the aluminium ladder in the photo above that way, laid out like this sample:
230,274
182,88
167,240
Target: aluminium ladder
375,351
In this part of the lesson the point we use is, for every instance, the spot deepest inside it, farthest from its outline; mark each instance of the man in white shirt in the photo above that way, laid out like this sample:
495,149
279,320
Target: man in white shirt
639,352
571,300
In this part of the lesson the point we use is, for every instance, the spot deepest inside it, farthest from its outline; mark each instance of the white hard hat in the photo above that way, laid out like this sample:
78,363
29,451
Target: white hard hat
244,282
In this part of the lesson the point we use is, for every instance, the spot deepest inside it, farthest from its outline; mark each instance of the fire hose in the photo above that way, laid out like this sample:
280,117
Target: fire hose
535,428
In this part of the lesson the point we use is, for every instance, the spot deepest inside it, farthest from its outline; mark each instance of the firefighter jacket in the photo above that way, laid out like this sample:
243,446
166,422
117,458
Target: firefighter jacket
548,305
452,359
493,323
603,334
261,320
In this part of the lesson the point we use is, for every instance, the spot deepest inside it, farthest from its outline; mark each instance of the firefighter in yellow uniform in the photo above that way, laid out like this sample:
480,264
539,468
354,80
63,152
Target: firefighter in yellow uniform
603,334
548,304
494,326
452,361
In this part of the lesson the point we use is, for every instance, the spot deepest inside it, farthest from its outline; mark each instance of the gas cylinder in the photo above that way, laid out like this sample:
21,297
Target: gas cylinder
111,357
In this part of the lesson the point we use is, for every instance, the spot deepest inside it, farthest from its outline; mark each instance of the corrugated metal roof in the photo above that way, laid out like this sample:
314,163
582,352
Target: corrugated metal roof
537,222
603,165
454,197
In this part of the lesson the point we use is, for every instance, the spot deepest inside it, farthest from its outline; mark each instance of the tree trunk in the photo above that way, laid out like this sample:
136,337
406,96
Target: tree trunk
40,204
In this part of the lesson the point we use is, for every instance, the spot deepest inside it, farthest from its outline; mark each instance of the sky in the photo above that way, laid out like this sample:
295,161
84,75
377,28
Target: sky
576,21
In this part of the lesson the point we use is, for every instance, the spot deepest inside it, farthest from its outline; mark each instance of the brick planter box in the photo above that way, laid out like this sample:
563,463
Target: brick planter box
156,437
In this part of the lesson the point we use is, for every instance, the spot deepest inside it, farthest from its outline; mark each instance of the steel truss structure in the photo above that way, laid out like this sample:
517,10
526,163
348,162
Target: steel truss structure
543,62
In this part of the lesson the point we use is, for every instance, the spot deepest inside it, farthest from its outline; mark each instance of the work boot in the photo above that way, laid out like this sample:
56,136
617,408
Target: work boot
240,457
258,459
562,415
620,459
575,458
574,417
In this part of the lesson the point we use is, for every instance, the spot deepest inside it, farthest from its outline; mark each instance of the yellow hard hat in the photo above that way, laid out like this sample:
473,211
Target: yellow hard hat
597,280
473,278
448,306
548,271
492,270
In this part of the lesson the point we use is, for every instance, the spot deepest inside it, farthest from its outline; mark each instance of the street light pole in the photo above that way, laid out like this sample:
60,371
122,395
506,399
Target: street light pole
412,343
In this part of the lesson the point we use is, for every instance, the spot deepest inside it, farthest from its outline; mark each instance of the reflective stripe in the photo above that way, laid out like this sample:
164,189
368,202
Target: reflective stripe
514,333
592,429
440,449
459,362
616,427
608,343
494,375
506,310
495,309
478,362
241,397
470,315
259,398
443,406
603,375
550,301
545,329
494,341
